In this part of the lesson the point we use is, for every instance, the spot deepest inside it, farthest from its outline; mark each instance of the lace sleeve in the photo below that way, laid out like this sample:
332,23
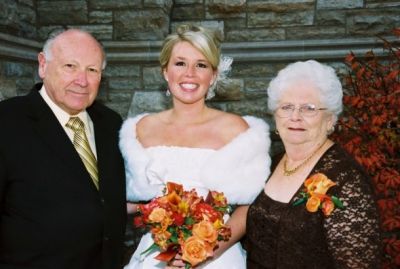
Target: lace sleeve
353,233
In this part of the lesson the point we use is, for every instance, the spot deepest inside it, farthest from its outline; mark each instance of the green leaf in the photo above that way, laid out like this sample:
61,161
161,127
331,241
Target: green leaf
337,202
153,247
300,201
187,266
189,221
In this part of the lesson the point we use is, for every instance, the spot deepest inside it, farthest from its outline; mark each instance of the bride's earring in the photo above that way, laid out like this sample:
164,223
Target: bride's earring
167,93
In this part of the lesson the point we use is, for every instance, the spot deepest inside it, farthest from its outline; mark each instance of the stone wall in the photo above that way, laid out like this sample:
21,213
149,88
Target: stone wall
18,47
261,36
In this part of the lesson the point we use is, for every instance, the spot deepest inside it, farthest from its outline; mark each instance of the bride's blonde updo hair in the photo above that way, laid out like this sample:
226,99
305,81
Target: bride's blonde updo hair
203,39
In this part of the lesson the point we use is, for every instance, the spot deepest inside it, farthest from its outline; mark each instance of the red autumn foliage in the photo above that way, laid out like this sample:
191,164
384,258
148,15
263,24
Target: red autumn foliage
370,130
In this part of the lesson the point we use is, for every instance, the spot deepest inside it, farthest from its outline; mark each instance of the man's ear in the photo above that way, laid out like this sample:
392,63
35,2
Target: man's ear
42,64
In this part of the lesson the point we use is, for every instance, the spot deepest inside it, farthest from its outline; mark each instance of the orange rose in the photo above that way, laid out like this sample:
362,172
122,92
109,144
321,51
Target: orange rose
327,207
318,183
159,215
195,250
205,231
313,203
161,238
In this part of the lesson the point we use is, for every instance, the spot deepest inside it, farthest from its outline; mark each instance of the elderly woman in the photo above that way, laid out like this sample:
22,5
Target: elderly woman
317,209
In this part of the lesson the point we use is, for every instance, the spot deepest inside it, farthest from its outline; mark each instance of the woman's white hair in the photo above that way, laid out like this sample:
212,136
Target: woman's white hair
322,76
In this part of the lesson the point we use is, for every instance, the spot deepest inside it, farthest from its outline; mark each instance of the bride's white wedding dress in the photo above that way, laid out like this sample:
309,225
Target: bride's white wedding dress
239,170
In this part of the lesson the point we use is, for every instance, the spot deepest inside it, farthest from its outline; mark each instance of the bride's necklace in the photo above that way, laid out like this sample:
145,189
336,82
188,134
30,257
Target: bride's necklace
288,172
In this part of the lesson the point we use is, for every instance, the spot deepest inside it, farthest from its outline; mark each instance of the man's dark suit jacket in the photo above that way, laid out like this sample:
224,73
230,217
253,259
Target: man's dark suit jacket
52,215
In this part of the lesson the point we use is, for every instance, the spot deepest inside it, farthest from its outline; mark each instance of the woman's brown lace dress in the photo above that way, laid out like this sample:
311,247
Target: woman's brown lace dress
283,236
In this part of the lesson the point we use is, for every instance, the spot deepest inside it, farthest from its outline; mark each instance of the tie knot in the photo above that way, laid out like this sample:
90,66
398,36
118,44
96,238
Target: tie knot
76,124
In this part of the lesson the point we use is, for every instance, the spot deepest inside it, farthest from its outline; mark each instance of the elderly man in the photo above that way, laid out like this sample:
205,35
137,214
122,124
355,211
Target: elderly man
62,183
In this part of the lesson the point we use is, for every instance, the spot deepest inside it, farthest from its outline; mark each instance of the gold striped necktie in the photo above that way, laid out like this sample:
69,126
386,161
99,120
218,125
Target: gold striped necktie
82,146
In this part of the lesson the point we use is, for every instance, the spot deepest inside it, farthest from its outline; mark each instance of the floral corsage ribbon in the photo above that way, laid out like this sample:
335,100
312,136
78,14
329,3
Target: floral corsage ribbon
315,197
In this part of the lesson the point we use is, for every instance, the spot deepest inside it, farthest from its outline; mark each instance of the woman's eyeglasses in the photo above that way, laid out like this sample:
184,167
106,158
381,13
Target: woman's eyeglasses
305,110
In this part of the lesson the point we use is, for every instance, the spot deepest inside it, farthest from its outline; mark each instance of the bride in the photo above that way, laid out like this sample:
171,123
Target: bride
195,145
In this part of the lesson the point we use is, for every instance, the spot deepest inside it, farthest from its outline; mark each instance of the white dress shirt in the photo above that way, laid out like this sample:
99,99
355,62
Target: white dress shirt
63,118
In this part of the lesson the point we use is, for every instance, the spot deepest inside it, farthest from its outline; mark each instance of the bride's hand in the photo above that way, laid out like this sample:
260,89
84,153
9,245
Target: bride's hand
131,208
176,263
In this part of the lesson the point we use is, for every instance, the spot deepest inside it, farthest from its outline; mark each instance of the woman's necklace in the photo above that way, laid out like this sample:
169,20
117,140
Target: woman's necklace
288,172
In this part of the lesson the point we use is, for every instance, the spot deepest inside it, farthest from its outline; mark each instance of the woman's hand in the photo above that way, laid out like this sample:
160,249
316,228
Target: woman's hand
131,208
176,263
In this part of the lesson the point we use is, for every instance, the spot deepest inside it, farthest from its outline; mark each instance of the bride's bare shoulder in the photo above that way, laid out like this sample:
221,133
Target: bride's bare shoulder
228,125
233,122
150,125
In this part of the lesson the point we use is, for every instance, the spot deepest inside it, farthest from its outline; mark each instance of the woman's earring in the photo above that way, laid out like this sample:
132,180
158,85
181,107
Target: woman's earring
276,131
167,93
331,130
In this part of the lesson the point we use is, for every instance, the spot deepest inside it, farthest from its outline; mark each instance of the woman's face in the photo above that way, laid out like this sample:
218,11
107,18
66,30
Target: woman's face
188,73
299,127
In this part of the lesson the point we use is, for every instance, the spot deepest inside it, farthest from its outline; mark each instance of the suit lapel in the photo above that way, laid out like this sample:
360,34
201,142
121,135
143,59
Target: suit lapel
53,135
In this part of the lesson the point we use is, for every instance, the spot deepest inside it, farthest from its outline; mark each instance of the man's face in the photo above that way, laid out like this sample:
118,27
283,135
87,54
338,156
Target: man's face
72,74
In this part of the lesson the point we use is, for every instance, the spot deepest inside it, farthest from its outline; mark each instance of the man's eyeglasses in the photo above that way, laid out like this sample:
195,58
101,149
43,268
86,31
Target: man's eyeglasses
305,110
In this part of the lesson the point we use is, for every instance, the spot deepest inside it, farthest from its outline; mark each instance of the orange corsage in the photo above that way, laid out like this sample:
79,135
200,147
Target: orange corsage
315,197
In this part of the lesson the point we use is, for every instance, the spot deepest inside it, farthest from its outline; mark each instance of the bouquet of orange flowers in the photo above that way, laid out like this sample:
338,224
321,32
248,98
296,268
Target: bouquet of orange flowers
185,223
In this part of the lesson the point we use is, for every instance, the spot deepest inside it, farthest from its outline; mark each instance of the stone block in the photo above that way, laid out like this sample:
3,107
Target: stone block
27,14
225,9
256,88
215,25
373,22
188,12
382,3
27,2
185,2
252,70
122,70
141,25
234,23
123,84
318,32
229,89
153,79
122,109
255,34
62,12
282,6
114,4
7,87
99,31
339,4
274,19
330,17
148,102
165,4
256,107
24,85
101,17
8,12
16,69
44,31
